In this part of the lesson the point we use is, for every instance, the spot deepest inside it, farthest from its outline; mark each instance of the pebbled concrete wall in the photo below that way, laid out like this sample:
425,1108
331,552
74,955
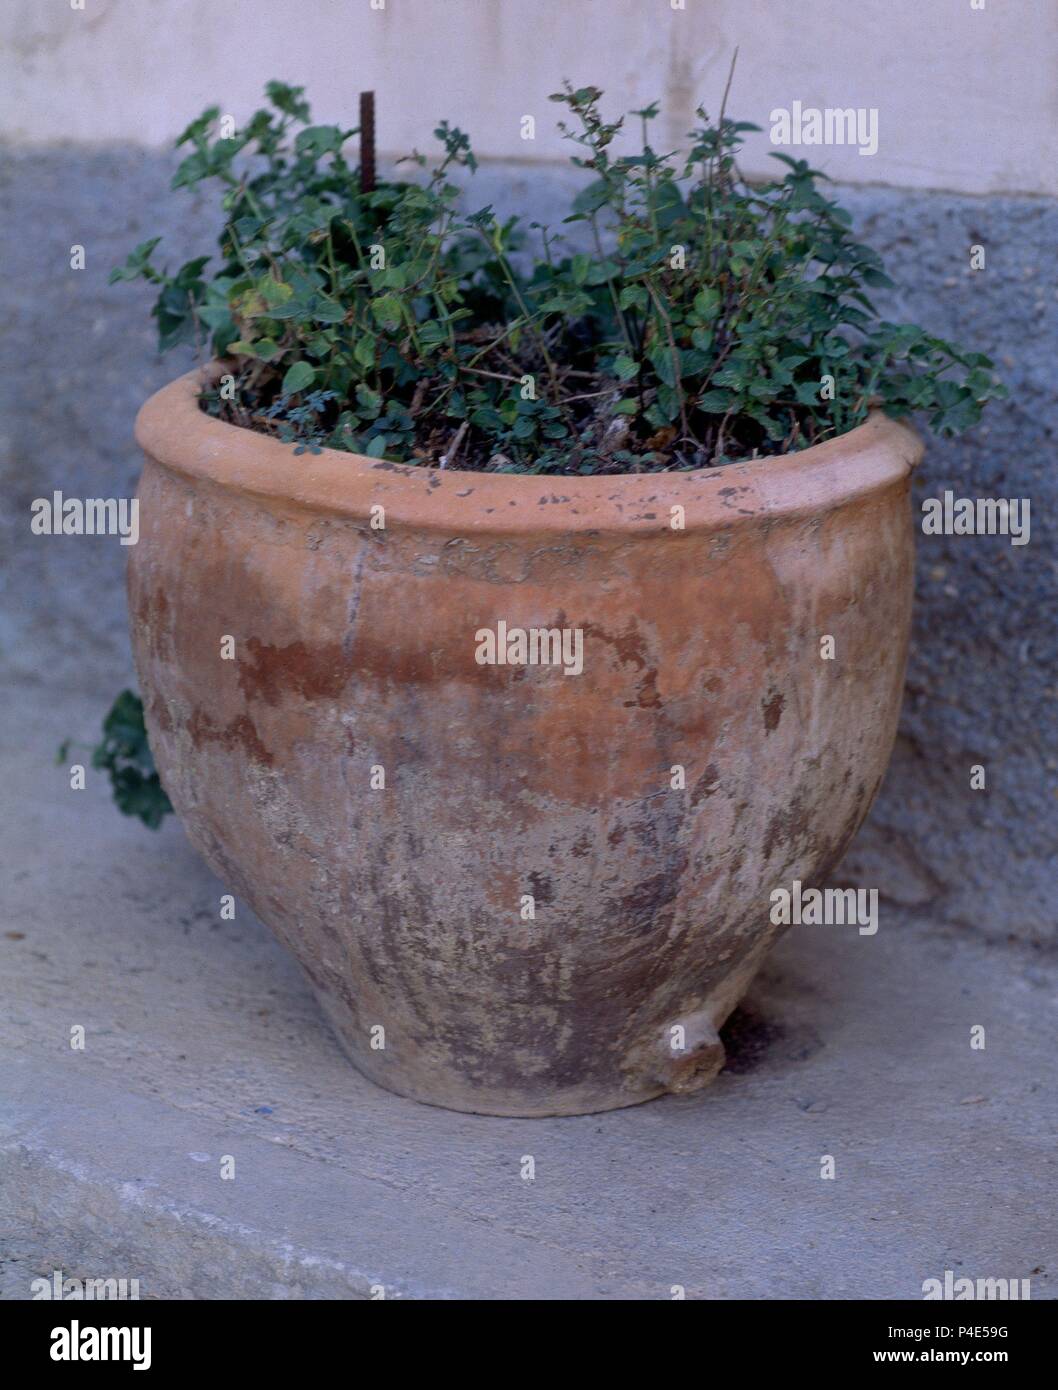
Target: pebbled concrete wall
78,359
982,685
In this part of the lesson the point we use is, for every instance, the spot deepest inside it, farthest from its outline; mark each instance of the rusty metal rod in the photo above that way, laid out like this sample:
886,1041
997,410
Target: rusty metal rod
367,142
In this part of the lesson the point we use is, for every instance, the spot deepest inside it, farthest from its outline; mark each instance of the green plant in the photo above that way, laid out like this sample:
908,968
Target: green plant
124,754
713,320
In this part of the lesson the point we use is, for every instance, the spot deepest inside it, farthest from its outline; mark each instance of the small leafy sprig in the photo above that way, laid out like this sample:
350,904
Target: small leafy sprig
713,321
124,754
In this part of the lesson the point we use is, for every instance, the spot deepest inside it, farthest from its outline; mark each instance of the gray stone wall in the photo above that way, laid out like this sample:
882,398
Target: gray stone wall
77,358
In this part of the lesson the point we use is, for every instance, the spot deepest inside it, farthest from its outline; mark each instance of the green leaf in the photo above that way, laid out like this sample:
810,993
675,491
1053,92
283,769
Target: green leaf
706,303
601,271
386,309
317,140
369,402
328,311
298,378
633,297
661,359
125,755
136,264
275,292
288,99
191,170
807,392
196,132
693,362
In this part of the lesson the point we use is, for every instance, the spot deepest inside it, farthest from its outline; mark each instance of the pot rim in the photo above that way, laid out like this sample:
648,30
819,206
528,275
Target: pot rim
174,432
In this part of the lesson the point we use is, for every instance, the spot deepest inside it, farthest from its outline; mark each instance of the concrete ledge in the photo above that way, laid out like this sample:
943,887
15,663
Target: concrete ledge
109,1175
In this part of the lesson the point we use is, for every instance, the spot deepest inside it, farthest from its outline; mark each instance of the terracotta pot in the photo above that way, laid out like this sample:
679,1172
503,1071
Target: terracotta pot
356,649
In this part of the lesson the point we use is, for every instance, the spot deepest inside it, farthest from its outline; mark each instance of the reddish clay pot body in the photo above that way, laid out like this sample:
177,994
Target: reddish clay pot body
355,649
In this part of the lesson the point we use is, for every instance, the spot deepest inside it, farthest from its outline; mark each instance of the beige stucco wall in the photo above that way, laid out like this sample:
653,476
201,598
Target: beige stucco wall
967,98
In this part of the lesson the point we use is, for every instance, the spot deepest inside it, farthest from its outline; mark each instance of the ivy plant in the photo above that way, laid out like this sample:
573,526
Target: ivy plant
124,754
713,320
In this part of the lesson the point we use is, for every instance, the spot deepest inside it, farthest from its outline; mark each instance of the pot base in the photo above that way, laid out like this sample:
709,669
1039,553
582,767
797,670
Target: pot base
683,1056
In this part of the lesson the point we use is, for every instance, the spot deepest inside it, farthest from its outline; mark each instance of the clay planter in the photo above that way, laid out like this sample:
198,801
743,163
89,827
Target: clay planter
356,650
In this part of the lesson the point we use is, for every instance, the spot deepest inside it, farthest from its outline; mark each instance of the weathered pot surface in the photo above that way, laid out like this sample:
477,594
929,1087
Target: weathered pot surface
518,920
